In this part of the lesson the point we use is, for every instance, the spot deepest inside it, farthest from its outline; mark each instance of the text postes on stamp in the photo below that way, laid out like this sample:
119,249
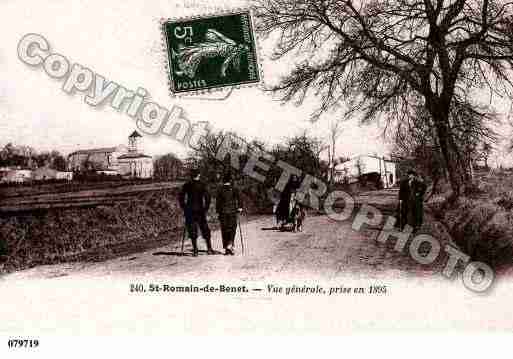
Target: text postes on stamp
211,52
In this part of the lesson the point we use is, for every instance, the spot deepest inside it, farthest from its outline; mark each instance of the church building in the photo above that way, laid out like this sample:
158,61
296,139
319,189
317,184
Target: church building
135,163
121,160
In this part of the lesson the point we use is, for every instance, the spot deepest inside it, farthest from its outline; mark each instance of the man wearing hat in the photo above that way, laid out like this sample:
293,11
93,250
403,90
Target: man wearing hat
411,200
419,190
228,206
195,200
405,210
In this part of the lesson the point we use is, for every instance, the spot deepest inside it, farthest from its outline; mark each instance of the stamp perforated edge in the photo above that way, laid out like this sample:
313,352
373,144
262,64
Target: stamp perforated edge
211,13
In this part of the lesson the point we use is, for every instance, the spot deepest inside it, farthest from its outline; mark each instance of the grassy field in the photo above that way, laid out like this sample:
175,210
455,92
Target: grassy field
58,196
43,227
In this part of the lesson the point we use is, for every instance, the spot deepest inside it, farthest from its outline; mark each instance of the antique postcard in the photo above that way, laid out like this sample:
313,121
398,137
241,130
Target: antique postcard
239,167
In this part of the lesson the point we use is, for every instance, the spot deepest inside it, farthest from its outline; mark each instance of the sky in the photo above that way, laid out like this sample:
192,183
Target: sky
122,42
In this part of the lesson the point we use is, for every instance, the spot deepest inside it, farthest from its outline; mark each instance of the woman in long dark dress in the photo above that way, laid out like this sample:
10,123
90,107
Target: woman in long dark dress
283,209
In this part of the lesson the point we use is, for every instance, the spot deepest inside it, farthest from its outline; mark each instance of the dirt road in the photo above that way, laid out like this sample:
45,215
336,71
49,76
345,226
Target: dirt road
324,249
87,298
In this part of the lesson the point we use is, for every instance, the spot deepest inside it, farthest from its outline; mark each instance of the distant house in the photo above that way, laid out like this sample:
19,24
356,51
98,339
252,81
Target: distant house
44,174
108,172
17,176
367,165
96,158
4,171
64,175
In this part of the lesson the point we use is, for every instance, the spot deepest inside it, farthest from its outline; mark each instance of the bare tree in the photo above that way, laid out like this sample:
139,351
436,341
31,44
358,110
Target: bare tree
416,141
335,132
385,58
168,167
486,151
203,156
303,151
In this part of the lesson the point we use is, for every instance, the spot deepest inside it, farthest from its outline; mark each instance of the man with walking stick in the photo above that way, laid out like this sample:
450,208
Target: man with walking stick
194,200
228,207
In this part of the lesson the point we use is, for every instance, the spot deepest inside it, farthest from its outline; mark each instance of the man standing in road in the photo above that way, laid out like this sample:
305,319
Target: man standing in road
228,206
195,200
419,190
411,201
405,209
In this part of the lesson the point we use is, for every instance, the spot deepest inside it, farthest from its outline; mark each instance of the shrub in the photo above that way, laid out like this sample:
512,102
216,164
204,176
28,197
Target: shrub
506,200
481,228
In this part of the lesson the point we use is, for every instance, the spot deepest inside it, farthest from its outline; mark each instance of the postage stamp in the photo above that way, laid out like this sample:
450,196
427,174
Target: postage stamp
214,52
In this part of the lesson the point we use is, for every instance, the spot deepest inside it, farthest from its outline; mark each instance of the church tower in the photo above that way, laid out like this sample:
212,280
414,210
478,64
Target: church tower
134,163
133,142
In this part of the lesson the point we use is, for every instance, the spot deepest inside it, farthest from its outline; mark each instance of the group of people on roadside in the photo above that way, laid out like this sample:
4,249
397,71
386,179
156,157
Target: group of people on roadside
194,200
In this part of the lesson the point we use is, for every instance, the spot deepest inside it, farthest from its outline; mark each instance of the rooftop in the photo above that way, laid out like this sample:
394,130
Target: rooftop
133,155
94,150
370,156
135,134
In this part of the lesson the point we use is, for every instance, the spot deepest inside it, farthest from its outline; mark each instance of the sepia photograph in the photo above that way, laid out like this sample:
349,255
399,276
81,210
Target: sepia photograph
254,167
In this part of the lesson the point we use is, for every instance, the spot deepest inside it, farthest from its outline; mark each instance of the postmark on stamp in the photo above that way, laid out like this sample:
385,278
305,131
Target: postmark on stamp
214,52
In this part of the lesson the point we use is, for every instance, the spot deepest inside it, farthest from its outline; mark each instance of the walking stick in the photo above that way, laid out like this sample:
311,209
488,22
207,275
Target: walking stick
240,232
400,215
183,237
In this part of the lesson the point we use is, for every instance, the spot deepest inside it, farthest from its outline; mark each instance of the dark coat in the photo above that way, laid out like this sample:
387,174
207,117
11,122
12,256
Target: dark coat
419,190
405,206
404,190
283,210
411,210
194,197
228,200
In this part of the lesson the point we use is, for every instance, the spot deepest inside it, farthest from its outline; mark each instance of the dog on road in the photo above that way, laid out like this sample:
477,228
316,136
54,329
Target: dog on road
298,217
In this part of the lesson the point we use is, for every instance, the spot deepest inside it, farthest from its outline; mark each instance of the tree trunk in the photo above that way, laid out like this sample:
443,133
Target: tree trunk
333,163
434,188
471,169
455,168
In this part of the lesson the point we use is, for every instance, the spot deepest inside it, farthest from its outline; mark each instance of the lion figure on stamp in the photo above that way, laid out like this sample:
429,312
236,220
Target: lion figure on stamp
215,45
